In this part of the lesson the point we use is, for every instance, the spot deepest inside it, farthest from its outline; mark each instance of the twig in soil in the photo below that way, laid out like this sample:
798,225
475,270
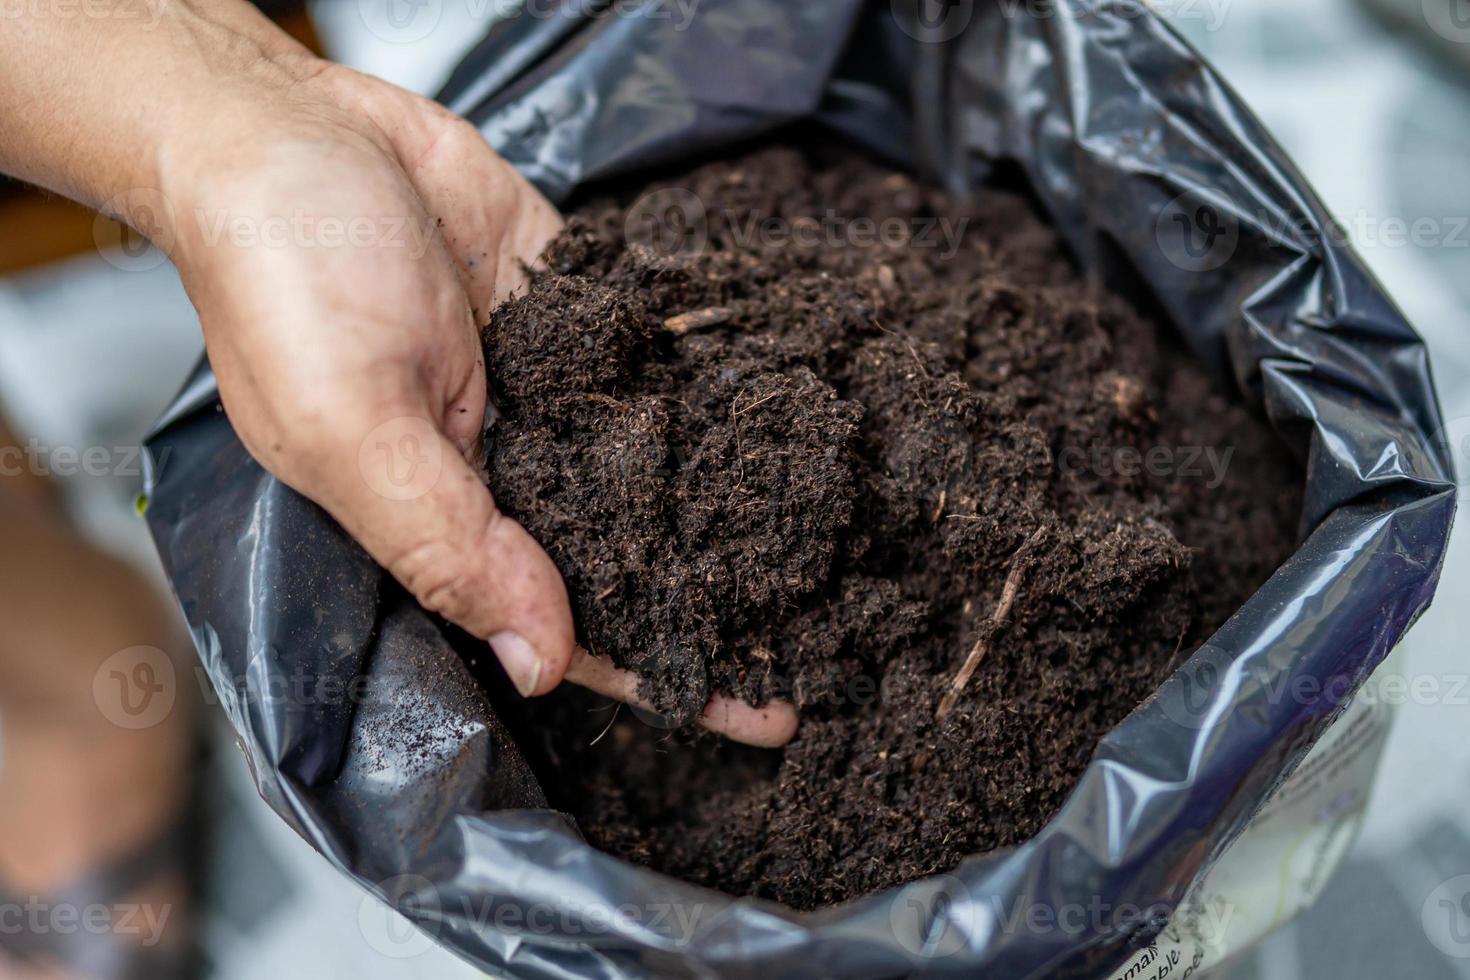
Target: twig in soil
997,619
711,316
909,343
759,401
597,396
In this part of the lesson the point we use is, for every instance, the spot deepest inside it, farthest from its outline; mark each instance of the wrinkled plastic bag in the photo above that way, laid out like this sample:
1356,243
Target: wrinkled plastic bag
1152,170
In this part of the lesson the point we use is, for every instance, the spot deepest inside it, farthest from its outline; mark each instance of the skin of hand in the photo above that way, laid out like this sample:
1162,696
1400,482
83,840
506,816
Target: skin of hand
341,239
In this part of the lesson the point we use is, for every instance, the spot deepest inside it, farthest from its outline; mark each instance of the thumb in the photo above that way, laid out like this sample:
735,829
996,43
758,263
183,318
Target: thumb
425,514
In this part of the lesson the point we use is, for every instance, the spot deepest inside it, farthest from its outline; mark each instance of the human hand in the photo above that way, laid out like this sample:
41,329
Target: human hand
341,239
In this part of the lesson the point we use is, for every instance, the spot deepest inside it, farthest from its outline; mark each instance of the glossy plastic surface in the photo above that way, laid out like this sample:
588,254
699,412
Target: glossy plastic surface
1154,172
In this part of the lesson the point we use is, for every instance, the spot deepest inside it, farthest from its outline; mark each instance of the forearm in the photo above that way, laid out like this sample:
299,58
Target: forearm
100,98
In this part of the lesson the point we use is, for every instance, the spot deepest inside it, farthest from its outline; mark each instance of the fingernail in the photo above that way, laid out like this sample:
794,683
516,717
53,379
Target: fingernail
519,660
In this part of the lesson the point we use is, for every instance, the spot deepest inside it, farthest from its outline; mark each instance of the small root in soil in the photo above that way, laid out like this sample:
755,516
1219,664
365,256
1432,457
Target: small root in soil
988,629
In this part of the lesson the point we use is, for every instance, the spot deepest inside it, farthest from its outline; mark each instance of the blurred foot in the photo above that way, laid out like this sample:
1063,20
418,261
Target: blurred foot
92,782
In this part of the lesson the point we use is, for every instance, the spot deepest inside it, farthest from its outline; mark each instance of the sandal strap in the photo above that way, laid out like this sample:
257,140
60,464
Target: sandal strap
105,955
112,883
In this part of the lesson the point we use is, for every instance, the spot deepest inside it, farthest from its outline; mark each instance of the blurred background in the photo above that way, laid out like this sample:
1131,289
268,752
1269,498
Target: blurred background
1372,101
1371,98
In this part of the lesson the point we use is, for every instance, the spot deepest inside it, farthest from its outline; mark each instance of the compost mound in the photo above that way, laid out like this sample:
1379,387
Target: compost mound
796,426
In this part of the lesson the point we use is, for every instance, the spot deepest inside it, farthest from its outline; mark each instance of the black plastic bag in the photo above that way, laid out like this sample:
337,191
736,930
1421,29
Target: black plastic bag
1152,170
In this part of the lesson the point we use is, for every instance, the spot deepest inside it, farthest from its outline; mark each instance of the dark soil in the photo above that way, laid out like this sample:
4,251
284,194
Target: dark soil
804,465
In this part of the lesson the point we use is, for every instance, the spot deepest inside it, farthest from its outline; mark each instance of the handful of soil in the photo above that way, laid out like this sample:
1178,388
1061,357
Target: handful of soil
804,457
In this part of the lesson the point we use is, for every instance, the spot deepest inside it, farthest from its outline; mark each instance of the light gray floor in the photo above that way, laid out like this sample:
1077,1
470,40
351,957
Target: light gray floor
89,352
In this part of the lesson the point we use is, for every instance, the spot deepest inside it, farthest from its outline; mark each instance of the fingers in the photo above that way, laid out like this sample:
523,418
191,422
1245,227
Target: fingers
495,223
768,727
425,514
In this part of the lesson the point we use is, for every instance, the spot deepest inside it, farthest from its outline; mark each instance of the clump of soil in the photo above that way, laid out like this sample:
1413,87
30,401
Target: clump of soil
801,457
